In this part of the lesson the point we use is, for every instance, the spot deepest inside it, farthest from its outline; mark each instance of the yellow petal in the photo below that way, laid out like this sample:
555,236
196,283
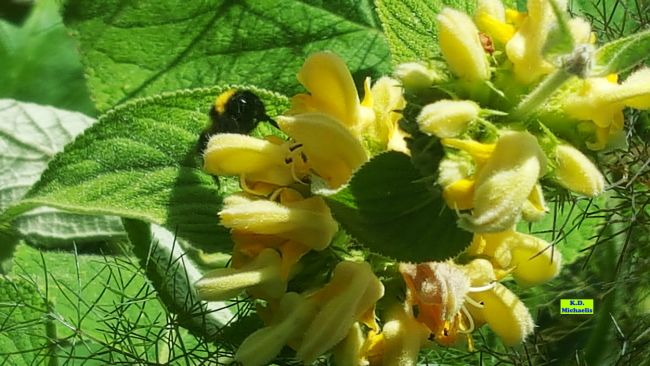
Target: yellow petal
263,345
332,150
447,118
535,261
504,313
576,172
505,183
416,76
403,337
348,351
637,87
263,274
353,289
478,151
460,194
235,154
535,207
332,89
387,100
308,222
460,45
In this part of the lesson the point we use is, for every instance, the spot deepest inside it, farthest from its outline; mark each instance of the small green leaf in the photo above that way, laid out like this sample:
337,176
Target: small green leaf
23,324
622,54
390,211
138,49
140,161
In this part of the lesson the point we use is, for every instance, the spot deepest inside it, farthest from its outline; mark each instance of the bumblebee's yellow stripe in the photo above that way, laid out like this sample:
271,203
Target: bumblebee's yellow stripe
222,99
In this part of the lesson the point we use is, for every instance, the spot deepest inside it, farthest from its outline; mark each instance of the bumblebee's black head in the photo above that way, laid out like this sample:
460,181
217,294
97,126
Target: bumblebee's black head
234,111
237,111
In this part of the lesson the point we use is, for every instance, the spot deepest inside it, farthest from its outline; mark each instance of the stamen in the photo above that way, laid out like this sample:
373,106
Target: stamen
275,194
244,186
469,319
294,147
474,302
489,286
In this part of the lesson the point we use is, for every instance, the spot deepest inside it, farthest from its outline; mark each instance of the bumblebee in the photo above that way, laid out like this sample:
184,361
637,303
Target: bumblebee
234,111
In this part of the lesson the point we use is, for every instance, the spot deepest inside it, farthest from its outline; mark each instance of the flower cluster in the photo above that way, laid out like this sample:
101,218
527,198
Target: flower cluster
274,221
509,117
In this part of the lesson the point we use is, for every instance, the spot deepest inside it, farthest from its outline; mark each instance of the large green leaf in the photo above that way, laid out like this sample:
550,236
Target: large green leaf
136,49
390,210
621,54
32,135
39,63
139,161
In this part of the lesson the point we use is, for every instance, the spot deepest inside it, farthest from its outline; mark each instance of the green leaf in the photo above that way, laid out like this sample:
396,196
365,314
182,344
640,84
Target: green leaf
32,135
411,27
173,275
390,211
23,324
139,49
559,41
39,62
622,54
139,161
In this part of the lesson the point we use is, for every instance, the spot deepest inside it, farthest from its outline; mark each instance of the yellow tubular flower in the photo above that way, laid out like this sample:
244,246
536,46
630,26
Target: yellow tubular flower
501,309
385,98
602,100
505,183
260,160
307,221
529,259
346,299
262,276
403,336
524,49
262,346
576,172
461,47
333,151
447,118
348,351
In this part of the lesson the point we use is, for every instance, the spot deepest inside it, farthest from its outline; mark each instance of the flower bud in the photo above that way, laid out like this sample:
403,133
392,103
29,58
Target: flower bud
577,173
447,118
461,47
403,337
416,76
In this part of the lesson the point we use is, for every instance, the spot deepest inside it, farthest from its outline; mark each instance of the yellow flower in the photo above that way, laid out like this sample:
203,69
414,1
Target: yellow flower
505,183
447,118
333,152
383,133
601,100
349,297
262,278
307,221
402,337
525,47
529,259
461,47
576,172
416,76
502,184
254,160
289,324
497,306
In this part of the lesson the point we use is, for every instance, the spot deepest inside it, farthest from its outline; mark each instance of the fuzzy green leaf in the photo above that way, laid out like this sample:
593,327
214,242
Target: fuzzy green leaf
140,161
23,325
622,54
390,211
139,49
